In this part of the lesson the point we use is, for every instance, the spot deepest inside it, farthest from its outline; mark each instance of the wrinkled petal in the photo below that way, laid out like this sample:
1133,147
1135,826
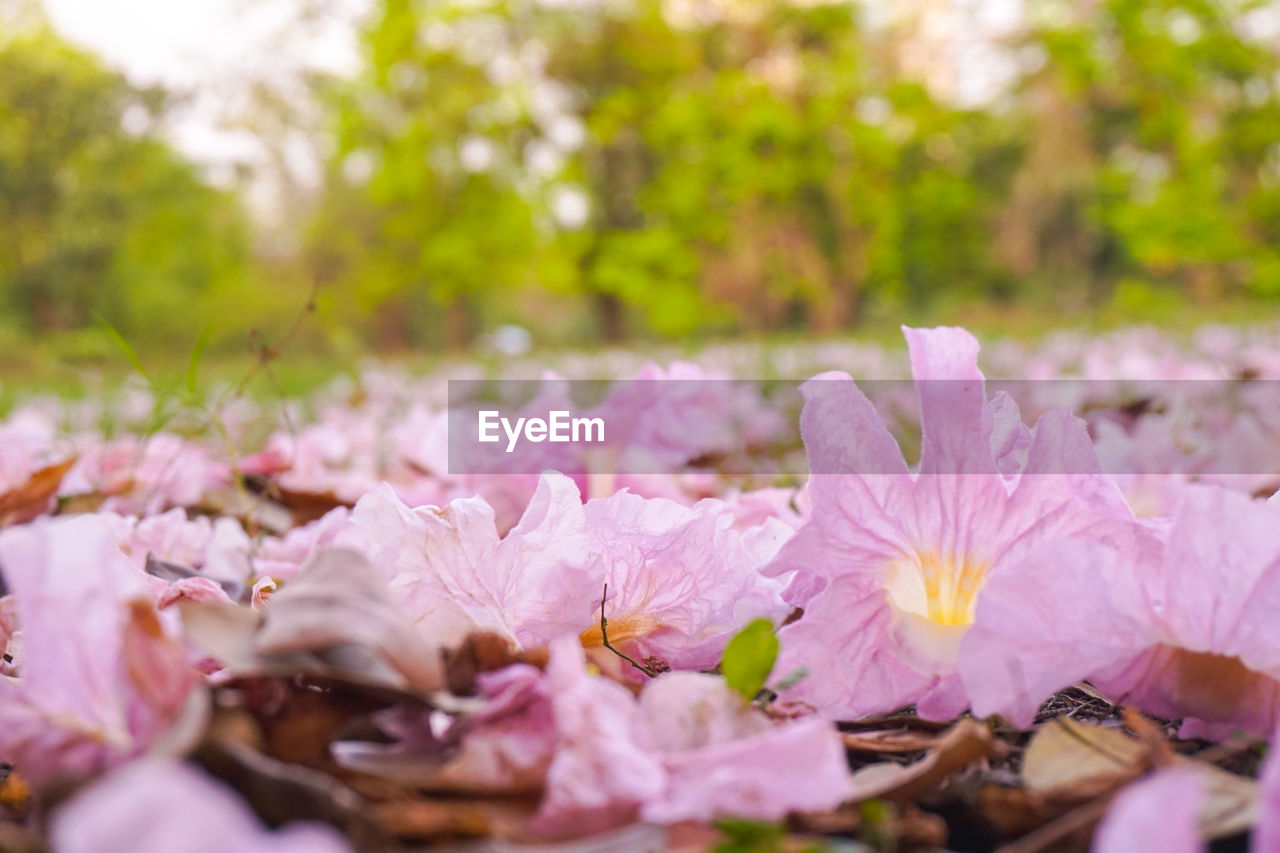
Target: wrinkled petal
157,806
452,572
100,675
681,581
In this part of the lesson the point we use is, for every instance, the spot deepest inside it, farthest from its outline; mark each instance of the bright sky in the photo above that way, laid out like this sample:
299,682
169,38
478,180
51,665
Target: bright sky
179,42
212,49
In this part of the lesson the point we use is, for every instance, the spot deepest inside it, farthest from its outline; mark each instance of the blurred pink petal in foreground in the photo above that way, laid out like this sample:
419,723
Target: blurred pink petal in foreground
1160,813
1187,631
100,675
723,757
160,806
690,749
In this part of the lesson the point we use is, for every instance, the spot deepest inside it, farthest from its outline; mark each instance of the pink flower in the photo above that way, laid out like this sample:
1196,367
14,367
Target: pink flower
280,557
159,806
599,775
680,579
100,675
219,549
1160,812
454,574
723,757
145,476
1183,631
891,566
690,749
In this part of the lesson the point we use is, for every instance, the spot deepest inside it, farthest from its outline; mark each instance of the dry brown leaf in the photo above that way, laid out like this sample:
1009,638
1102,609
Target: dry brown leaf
333,619
428,819
966,742
888,742
907,722
306,507
1231,801
1012,812
484,651
35,496
1067,759
254,511
1071,831
280,792
15,839
1064,752
83,503
909,826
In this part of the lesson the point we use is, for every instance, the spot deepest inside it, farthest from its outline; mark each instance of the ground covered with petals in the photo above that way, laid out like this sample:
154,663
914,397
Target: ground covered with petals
939,613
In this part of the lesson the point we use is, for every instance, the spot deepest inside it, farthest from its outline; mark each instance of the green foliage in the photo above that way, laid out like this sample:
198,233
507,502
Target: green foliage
749,836
98,220
769,167
749,658
1160,119
602,170
748,172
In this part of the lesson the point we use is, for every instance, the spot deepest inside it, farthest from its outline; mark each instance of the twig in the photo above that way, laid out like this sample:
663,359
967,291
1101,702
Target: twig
604,638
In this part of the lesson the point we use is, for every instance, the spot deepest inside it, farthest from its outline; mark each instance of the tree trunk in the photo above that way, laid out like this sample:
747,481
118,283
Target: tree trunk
611,317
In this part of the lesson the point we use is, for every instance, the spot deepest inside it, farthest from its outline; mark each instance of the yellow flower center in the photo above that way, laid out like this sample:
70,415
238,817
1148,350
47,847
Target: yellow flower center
621,629
941,589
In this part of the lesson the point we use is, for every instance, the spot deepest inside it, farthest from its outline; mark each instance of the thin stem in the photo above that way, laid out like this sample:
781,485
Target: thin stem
604,637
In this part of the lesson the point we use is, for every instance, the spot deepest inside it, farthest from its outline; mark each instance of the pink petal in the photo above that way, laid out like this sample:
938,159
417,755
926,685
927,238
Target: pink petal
599,776
1067,610
722,757
681,580
957,435
157,806
1266,832
797,766
1160,812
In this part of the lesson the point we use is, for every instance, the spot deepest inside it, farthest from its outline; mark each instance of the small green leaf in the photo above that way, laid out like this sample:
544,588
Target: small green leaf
748,836
749,658
119,340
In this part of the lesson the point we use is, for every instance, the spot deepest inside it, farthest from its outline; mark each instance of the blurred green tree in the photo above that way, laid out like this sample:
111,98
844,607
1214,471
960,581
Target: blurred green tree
744,168
1153,151
100,216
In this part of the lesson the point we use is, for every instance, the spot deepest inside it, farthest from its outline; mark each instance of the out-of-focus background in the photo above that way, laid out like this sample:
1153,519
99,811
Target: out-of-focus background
498,174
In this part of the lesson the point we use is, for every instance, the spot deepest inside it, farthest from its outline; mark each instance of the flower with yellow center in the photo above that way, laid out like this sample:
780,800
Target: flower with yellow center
893,564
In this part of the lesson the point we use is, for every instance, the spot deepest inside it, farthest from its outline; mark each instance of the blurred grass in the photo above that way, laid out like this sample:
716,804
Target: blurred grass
88,363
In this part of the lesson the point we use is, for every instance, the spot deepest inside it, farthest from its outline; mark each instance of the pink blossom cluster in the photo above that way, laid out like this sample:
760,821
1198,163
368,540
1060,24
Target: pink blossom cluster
1000,567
